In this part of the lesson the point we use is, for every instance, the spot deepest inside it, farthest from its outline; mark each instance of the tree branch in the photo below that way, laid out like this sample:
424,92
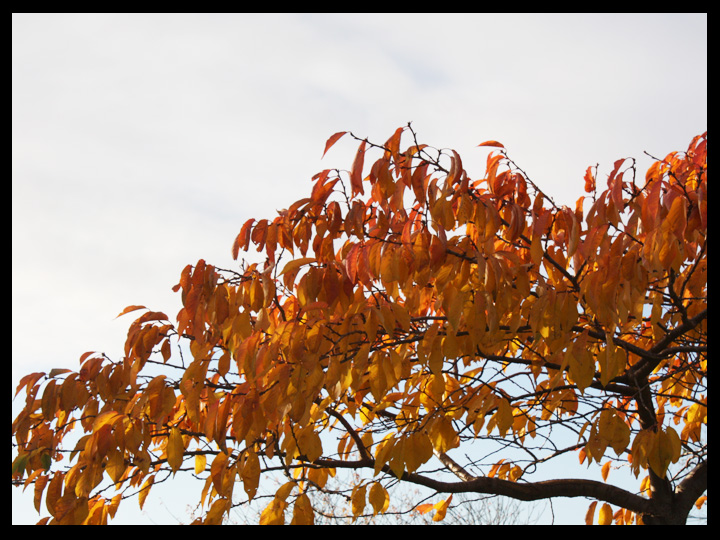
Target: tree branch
532,491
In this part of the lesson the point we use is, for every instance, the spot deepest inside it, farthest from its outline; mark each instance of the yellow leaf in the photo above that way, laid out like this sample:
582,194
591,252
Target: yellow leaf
378,498
581,363
612,361
297,263
606,515
217,512
175,449
274,513
302,511
309,444
251,475
200,463
665,450
443,436
105,418
115,466
515,473
284,490
145,490
441,509
418,450
613,429
358,501
383,452
503,417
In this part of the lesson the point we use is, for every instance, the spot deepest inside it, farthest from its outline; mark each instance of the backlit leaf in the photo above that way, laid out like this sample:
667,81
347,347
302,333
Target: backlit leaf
356,170
332,140
175,449
491,143
606,515
441,509
378,498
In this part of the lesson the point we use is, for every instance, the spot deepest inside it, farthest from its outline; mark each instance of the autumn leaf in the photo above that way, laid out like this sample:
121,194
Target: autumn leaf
129,309
175,449
606,515
441,509
200,463
491,143
356,170
358,501
589,181
296,263
274,513
303,513
145,490
378,498
332,140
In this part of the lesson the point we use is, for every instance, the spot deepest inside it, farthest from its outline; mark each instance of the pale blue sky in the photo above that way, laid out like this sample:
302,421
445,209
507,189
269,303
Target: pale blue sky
141,143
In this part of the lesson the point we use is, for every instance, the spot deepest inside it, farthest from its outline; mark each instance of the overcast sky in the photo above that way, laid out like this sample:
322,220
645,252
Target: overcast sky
142,143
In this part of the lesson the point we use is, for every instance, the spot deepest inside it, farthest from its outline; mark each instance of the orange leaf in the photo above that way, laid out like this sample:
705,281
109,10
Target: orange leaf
491,143
356,171
129,309
424,508
589,181
109,417
605,471
297,263
242,240
332,140
29,381
590,513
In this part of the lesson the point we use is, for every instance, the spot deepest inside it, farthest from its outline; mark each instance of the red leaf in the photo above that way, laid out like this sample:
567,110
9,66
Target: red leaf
332,140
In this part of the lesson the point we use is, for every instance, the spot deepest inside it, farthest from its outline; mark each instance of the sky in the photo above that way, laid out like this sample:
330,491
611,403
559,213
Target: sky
143,142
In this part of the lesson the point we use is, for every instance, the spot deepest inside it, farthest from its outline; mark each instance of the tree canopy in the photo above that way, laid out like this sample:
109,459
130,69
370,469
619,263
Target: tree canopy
398,316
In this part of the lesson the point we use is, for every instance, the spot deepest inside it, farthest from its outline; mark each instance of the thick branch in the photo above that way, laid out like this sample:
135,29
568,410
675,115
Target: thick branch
532,491
690,489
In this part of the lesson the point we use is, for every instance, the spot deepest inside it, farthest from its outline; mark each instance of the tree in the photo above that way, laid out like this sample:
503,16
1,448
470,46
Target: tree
403,313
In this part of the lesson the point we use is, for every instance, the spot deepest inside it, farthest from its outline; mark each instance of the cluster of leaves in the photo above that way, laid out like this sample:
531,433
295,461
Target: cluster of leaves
407,309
